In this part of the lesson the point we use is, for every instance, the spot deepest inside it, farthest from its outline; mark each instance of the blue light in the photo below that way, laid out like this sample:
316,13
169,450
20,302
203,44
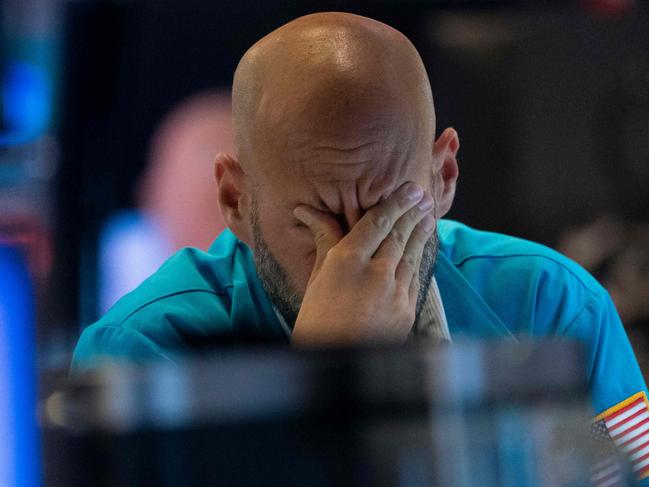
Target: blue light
132,246
19,450
26,100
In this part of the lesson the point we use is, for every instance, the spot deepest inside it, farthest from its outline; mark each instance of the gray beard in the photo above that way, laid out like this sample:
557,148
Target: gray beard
275,281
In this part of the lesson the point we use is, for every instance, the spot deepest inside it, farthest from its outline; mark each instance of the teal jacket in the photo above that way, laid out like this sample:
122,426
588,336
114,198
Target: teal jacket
492,287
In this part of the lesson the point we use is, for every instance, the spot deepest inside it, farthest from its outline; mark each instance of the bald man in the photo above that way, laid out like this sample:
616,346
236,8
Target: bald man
333,199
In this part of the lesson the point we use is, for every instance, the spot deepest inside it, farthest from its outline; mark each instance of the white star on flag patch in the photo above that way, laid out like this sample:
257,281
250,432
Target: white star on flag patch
627,424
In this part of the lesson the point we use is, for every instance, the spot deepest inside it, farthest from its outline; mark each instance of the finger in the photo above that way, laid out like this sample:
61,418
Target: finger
366,236
413,290
408,267
394,245
416,274
415,283
324,228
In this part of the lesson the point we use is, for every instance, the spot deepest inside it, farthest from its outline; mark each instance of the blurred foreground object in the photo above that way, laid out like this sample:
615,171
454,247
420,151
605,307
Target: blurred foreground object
492,414
18,434
28,148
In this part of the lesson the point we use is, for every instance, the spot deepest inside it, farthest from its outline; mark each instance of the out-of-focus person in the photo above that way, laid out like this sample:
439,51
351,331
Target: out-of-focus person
179,178
177,182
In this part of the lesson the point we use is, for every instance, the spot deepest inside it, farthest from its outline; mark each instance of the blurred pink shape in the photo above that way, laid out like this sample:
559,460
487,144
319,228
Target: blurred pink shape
178,188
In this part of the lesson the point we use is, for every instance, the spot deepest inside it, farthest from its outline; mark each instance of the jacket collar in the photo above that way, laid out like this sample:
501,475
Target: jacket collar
468,315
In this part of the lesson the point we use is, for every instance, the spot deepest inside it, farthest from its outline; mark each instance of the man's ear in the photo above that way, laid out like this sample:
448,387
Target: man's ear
234,197
445,169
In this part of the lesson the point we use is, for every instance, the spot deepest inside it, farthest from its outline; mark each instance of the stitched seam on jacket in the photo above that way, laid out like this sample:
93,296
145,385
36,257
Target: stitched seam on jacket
147,341
171,295
581,311
560,264
590,301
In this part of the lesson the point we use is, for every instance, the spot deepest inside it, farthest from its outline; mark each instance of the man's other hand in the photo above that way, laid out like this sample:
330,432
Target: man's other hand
364,285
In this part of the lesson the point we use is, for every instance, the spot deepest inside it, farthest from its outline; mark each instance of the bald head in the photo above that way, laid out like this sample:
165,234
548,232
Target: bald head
333,112
333,74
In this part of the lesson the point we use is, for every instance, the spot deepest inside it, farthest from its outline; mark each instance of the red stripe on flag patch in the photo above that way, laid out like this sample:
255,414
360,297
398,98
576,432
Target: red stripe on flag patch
623,441
628,406
606,473
628,425
618,428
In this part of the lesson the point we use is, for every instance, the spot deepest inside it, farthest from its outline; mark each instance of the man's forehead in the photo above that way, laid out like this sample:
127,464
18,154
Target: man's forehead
335,178
351,149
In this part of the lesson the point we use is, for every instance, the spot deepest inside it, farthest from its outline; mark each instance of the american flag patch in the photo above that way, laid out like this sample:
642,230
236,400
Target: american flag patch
627,424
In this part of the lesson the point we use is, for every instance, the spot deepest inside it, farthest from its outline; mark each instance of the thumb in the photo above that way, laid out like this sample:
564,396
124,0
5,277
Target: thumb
324,228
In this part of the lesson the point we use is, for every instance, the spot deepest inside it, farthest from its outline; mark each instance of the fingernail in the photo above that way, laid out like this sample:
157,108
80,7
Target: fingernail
414,191
428,222
426,203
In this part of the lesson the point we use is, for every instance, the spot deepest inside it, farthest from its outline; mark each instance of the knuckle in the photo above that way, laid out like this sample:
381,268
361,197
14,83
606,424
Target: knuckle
380,221
409,261
382,266
414,215
346,254
398,236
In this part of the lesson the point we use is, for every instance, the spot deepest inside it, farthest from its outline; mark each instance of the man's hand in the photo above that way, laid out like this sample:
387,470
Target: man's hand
364,285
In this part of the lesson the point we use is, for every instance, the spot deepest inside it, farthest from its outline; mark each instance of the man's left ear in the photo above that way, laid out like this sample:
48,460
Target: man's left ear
445,170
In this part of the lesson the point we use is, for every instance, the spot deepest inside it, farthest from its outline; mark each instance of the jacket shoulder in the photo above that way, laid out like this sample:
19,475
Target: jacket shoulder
532,288
188,296
462,244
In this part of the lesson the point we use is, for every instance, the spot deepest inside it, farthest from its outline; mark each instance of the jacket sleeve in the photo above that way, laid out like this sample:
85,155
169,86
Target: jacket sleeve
101,344
613,374
613,371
